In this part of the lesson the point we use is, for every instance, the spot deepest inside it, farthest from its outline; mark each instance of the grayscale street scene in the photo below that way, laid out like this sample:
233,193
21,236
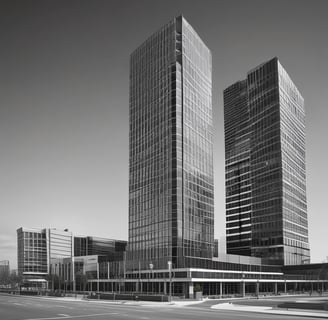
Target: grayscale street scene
163,160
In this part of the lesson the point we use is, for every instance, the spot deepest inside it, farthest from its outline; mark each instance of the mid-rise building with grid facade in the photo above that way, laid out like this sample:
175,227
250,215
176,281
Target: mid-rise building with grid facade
37,248
266,209
32,253
171,215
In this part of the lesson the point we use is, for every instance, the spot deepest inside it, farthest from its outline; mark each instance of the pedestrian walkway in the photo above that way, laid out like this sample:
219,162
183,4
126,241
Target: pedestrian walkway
176,303
270,310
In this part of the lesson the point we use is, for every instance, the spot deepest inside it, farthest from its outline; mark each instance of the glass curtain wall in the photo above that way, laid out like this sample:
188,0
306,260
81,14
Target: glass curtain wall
171,167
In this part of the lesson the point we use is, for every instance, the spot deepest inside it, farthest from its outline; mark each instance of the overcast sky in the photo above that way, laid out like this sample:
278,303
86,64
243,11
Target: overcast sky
64,72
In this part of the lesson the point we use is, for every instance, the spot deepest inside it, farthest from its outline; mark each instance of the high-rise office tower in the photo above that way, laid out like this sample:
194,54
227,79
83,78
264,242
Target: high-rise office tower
237,151
266,210
171,214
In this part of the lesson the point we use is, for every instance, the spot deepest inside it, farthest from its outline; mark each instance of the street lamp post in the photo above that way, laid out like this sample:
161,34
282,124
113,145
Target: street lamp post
169,263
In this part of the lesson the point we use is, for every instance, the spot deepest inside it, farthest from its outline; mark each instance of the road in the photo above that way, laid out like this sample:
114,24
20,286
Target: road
37,308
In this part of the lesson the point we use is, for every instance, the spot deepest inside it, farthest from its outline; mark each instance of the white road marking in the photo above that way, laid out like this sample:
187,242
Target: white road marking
75,317
63,314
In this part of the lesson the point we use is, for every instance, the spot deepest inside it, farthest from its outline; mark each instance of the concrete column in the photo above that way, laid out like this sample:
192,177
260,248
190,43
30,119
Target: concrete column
242,288
97,277
276,288
285,286
164,285
221,291
257,291
191,290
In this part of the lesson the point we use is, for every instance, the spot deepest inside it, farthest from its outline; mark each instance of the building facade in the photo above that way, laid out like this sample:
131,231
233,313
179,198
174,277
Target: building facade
238,184
60,244
266,209
171,216
113,249
38,249
4,270
32,257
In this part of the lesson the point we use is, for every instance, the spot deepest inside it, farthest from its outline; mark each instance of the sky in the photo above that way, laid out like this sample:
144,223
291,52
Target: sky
64,101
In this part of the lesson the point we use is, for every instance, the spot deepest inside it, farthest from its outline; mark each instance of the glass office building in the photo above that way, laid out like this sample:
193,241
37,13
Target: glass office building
238,184
87,246
32,257
4,269
171,154
37,248
60,244
266,210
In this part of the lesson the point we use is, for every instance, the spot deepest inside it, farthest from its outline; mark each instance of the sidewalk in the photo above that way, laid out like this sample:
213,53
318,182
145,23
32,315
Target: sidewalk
176,303
270,310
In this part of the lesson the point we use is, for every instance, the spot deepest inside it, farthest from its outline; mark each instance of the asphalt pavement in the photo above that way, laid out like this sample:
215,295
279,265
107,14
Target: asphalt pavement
41,308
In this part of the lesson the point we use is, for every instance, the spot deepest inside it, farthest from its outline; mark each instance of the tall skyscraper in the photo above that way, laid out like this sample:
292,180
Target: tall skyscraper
171,214
266,209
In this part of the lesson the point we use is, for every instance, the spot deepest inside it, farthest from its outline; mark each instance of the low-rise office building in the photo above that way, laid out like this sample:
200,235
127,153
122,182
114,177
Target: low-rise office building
81,272
4,270
87,245
228,275
45,254
36,248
